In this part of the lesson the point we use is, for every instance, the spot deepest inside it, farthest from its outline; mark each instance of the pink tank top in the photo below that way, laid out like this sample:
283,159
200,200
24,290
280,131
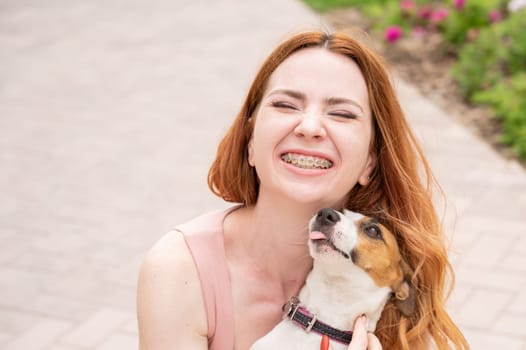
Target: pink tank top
204,237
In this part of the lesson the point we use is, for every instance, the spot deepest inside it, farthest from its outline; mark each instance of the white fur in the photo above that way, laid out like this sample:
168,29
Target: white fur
350,290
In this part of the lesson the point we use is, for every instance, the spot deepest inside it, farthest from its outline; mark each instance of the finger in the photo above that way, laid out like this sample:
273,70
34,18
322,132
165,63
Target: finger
359,335
373,343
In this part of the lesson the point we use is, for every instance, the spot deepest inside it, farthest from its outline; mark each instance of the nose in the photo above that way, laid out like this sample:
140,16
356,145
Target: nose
327,217
310,126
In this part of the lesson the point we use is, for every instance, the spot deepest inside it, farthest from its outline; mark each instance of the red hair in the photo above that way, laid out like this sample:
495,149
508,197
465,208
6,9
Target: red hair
399,190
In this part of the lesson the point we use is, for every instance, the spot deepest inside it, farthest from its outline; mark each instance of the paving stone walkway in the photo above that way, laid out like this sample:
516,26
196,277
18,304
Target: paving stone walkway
110,112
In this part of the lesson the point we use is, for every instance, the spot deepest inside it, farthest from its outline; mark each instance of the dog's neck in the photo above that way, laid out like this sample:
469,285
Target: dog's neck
338,300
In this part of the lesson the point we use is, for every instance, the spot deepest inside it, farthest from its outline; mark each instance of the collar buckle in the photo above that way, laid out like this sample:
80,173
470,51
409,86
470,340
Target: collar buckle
290,307
311,323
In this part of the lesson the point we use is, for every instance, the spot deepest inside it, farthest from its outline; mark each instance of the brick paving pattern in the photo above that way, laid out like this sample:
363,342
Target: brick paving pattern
110,112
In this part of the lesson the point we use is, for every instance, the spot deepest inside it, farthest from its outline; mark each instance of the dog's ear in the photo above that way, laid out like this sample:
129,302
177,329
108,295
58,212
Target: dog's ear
405,298
405,294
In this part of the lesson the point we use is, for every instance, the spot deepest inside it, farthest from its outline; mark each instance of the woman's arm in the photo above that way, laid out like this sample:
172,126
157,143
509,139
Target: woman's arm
170,307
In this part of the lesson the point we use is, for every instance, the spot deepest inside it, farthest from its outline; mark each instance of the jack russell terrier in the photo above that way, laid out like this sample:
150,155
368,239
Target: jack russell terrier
357,269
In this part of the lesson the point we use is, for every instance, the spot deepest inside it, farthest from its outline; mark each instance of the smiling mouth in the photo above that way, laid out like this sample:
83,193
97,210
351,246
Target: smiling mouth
306,162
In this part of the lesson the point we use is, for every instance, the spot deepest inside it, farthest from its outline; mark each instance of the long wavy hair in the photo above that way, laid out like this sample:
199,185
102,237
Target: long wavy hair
400,190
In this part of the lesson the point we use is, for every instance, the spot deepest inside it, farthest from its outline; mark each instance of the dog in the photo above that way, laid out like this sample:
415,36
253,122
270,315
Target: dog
357,269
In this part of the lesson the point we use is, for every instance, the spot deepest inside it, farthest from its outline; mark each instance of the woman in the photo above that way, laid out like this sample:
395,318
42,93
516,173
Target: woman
320,127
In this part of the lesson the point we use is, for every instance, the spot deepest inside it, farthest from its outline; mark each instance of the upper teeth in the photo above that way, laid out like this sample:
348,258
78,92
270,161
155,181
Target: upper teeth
307,162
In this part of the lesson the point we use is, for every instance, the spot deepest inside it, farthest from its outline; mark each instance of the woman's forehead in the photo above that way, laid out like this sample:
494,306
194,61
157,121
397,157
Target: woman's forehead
318,72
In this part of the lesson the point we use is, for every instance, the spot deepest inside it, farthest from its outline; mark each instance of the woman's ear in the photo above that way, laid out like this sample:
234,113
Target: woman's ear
250,150
365,176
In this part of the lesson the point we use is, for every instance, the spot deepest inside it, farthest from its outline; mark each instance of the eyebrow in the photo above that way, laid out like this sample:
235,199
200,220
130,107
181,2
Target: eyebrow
341,100
330,101
292,93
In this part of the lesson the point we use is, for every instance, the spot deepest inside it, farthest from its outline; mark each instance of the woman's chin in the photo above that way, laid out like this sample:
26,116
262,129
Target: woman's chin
310,196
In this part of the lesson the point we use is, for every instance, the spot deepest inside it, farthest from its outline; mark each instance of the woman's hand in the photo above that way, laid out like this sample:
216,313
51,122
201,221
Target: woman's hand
361,339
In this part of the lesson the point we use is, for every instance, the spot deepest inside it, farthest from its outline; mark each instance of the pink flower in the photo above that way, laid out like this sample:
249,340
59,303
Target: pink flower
459,4
495,16
393,33
407,5
439,15
425,12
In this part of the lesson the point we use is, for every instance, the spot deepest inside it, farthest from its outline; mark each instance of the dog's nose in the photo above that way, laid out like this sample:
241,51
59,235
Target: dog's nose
327,217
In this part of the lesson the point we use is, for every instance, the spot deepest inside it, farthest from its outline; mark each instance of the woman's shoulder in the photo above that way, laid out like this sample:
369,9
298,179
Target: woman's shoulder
208,222
169,297
169,252
172,254
169,265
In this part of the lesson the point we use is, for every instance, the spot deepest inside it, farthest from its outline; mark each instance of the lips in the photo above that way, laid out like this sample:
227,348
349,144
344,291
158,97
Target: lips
306,161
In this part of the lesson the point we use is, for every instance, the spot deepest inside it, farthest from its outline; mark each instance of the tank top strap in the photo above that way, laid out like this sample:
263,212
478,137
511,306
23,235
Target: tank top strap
204,237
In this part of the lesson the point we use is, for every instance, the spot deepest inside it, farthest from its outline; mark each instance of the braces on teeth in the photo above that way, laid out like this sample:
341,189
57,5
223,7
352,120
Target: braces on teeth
306,162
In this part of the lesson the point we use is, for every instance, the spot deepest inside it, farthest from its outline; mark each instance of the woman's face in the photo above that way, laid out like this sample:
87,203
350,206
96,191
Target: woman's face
313,129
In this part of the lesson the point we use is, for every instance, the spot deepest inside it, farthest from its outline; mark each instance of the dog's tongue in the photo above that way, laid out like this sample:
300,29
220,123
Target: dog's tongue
317,235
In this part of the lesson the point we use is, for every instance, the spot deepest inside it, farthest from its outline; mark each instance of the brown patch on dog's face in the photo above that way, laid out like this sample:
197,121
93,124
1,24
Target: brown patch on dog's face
377,253
370,245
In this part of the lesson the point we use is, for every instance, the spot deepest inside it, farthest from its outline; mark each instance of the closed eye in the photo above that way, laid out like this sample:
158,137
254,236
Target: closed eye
343,114
284,105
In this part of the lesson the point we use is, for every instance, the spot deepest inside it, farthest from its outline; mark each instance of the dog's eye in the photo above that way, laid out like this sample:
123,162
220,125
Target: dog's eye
373,231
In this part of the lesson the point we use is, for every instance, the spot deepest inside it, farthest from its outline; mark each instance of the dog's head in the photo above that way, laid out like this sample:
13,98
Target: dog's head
351,238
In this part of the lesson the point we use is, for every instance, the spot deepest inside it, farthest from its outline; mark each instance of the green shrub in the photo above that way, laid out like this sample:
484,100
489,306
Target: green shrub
513,36
383,14
477,67
460,22
508,101
492,70
498,52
